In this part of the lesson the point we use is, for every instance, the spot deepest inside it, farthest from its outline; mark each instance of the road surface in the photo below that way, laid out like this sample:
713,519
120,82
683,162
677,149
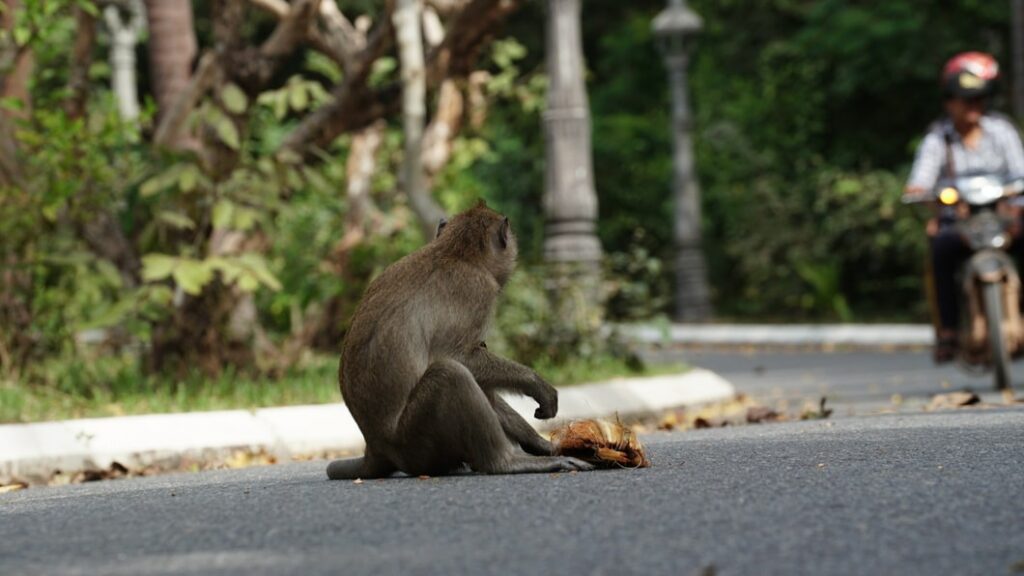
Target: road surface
908,493
854,382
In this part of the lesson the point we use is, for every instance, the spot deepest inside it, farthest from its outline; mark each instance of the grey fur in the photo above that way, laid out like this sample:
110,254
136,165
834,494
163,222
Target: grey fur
418,378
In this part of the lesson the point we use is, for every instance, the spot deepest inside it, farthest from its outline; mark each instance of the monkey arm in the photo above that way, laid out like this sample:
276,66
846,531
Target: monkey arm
518,430
493,373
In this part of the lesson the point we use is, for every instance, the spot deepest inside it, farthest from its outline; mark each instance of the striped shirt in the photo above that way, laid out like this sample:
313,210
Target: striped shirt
998,152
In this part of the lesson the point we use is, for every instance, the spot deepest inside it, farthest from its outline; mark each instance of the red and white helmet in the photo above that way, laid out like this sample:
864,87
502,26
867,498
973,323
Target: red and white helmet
970,75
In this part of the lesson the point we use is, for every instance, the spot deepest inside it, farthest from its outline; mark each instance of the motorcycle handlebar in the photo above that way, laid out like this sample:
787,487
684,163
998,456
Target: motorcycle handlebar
1011,189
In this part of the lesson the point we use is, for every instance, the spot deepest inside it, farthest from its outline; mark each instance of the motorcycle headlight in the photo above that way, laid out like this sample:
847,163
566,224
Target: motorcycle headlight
949,196
999,241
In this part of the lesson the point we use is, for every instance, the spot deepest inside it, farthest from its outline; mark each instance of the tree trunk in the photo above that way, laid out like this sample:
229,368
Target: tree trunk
406,19
172,48
81,58
440,134
359,170
15,78
323,327
13,84
357,105
124,34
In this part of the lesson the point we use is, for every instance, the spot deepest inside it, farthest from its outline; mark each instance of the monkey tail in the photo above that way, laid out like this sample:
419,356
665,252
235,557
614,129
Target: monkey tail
354,468
345,469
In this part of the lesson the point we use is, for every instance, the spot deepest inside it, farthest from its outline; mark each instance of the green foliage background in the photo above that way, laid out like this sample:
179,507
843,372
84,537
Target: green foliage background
806,116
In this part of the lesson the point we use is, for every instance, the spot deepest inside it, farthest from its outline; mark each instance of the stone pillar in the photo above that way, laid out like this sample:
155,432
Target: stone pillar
571,247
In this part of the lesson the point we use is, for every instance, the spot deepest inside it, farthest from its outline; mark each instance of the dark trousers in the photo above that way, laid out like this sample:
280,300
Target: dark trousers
949,252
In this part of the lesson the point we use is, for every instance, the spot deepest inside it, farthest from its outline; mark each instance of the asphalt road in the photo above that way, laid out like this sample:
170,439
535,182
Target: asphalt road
861,493
937,493
854,382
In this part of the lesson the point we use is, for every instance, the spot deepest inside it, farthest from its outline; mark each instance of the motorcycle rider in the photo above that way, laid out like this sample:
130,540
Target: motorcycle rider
969,139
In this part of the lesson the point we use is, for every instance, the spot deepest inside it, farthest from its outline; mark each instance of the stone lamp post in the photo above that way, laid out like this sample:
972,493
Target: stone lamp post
675,30
572,250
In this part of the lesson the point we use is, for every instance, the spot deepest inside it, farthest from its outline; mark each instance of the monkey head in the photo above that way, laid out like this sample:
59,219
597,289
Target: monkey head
481,237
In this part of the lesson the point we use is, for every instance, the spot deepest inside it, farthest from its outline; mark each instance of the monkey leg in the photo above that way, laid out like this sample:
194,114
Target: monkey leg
448,421
493,372
365,466
518,430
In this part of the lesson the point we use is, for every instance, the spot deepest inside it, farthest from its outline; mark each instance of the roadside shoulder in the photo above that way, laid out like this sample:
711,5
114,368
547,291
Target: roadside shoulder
33,452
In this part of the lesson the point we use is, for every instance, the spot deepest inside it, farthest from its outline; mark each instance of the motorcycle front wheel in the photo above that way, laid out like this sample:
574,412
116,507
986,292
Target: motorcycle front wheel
996,339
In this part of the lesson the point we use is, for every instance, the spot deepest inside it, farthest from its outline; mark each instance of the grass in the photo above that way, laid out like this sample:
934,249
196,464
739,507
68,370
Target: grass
110,387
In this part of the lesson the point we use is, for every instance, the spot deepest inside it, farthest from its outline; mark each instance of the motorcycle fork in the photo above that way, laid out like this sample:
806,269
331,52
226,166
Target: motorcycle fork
986,268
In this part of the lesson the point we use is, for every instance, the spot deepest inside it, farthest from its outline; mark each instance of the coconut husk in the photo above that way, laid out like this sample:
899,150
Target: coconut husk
601,443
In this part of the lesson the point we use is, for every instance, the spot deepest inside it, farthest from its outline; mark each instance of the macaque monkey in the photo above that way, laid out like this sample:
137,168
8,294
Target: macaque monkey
417,376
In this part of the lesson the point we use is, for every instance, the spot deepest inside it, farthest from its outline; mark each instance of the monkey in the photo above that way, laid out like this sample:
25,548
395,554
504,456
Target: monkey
418,377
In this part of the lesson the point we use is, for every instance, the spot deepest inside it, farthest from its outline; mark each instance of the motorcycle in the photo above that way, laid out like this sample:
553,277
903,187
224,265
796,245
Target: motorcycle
990,331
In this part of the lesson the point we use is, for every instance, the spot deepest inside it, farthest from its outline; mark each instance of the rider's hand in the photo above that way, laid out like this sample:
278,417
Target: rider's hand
914,192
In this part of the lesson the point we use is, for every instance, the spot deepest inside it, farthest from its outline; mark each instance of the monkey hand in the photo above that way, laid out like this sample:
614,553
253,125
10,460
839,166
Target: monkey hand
548,404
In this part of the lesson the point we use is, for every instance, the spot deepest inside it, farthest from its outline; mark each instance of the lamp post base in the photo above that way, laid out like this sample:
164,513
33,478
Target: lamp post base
693,303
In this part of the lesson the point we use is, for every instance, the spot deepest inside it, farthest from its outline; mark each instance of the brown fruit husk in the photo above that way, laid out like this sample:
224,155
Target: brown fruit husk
601,443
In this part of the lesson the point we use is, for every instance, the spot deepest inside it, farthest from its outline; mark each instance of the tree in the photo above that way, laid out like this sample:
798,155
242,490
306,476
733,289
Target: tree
407,20
240,70
124,35
172,50
16,63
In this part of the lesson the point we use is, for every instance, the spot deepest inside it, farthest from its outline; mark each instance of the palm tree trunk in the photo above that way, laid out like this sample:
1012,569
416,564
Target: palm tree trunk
172,49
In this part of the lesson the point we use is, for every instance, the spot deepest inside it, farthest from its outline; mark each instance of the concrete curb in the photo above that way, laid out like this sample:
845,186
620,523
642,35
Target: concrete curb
866,335
34,451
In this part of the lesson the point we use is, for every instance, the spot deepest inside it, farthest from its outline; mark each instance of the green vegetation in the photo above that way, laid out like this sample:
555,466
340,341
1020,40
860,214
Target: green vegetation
113,387
211,278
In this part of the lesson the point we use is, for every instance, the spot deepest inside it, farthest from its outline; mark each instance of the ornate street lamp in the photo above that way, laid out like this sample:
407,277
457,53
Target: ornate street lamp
570,202
675,29
572,250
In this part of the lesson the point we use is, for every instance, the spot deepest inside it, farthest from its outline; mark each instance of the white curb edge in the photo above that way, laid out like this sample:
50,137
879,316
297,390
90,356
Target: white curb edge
871,335
34,451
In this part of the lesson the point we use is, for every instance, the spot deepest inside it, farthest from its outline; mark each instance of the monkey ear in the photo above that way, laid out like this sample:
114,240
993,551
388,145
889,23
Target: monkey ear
440,226
504,231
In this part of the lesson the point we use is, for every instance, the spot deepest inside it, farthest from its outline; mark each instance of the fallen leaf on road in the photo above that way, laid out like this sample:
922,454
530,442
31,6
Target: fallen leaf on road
952,400
12,487
672,420
601,443
248,458
115,471
759,414
713,415
820,414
